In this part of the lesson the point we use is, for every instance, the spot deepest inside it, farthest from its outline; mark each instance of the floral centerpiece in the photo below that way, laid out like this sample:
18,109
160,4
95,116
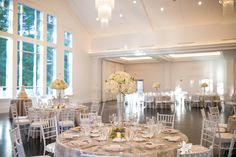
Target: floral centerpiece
204,85
59,85
156,85
120,83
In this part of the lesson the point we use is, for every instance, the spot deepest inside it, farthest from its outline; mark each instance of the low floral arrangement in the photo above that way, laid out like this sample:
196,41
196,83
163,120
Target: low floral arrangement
117,133
204,85
120,82
156,85
58,84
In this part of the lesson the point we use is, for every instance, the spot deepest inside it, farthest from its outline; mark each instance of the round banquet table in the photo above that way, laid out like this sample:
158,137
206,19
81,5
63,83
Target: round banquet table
74,142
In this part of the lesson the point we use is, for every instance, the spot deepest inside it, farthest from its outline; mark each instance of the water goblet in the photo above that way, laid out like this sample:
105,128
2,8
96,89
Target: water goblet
111,119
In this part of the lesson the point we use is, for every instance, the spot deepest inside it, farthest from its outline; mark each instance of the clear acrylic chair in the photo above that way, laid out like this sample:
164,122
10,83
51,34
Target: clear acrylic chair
36,117
49,132
84,119
166,119
67,119
95,108
223,140
205,149
208,102
195,101
233,140
19,120
214,111
27,105
18,149
203,113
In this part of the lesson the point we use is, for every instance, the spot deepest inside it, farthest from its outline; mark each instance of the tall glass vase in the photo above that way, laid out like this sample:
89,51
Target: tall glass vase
120,108
59,92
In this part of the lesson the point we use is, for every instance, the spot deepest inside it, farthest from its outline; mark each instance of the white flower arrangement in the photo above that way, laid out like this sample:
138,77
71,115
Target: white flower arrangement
58,84
156,85
204,85
120,82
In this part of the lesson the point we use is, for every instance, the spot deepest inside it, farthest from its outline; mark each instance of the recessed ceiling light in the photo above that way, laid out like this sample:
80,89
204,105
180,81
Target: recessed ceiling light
199,3
134,2
135,58
162,9
121,15
195,54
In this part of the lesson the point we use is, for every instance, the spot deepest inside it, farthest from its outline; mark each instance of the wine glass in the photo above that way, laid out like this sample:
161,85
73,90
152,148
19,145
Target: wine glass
111,119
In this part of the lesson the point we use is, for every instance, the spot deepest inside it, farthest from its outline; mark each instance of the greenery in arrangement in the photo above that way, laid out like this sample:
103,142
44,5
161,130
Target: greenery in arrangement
117,130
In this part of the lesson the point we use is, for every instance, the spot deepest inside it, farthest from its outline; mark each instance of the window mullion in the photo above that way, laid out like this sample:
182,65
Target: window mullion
20,62
35,70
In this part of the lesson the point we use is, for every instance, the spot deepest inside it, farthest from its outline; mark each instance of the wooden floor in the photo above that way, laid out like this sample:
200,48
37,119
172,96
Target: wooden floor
188,120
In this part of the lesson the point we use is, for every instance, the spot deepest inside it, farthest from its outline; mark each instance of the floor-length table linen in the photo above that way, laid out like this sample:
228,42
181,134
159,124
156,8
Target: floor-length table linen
70,143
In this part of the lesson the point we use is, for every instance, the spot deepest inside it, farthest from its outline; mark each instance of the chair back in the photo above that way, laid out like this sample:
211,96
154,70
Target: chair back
84,119
166,119
213,117
14,111
95,107
49,129
195,97
203,113
214,111
27,105
67,114
233,140
20,149
15,137
208,133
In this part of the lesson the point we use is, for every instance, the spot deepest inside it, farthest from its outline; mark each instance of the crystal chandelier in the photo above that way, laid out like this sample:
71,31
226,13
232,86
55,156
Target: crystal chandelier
104,8
228,6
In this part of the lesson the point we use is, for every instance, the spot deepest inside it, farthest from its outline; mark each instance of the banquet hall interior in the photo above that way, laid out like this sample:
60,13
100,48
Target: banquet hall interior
87,78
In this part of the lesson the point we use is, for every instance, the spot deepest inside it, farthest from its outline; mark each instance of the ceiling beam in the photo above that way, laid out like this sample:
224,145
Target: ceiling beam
147,15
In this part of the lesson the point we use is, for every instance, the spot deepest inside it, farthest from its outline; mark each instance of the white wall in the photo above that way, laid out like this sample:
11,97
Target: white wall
172,74
66,21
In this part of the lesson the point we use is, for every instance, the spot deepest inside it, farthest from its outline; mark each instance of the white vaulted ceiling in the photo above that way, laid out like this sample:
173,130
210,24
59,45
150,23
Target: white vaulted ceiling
143,26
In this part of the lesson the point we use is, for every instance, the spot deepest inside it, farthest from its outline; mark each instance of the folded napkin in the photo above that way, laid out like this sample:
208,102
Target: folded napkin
185,148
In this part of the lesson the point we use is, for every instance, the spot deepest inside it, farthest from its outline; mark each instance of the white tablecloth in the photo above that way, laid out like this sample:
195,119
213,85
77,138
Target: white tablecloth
72,143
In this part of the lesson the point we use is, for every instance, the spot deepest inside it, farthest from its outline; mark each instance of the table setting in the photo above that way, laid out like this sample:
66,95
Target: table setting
131,139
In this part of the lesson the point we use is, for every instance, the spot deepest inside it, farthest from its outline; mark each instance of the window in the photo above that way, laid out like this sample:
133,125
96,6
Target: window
6,15
51,29
29,22
68,71
139,86
29,71
4,59
51,68
68,39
